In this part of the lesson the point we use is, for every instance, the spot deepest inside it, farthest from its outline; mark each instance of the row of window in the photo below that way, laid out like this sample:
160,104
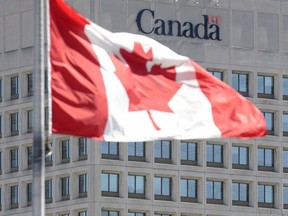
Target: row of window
162,154
265,83
137,189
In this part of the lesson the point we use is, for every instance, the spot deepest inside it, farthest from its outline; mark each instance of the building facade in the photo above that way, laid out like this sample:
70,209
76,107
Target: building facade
242,42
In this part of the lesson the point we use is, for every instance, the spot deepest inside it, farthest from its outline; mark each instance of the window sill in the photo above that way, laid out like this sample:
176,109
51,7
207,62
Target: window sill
48,163
163,160
265,205
214,201
163,198
110,194
110,157
266,169
67,197
83,157
189,199
14,133
136,196
83,194
240,203
65,160
14,206
240,166
14,169
265,96
48,200
189,162
214,164
135,158
14,97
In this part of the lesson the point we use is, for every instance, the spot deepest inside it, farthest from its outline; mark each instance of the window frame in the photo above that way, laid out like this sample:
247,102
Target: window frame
30,121
285,191
136,194
83,185
189,198
14,159
161,196
48,190
213,200
212,163
109,212
14,196
14,87
109,192
135,146
285,78
263,84
240,202
162,158
216,72
82,148
30,87
14,123
109,154
189,161
285,132
266,204
29,193
65,187
239,74
240,165
265,166
65,151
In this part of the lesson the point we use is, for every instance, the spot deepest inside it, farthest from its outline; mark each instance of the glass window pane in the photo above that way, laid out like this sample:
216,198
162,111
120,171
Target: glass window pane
166,149
269,157
183,183
235,191
235,155
261,193
209,152
285,86
140,180
104,182
209,187
285,195
157,186
104,213
166,186
285,122
243,82
131,149
105,147
217,190
261,157
268,85
113,148
131,184
217,153
140,149
260,84
113,183
235,81
285,158
157,149
184,151
243,192
244,155
192,151
269,194
191,188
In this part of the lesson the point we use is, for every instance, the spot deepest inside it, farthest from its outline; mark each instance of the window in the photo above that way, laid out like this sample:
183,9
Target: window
14,124
136,151
285,124
188,190
285,88
110,184
285,160
162,150
214,192
265,159
48,191
83,185
46,117
109,213
136,214
29,194
82,148
82,213
265,196
265,86
285,196
269,118
240,194
136,186
65,188
240,82
240,157
1,90
14,196
14,88
188,153
110,150
14,160
30,121
65,151
46,81
0,199
162,188
49,158
30,84
29,157
214,154
0,126
157,214
0,162
217,74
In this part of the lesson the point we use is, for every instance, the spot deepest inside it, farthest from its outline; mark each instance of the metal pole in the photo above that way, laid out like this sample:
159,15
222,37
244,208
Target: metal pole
38,208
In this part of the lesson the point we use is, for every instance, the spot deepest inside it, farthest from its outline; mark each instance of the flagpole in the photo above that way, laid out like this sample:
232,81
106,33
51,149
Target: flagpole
38,208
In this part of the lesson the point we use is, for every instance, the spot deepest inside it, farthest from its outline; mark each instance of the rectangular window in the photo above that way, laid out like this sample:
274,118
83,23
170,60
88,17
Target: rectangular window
214,155
65,188
29,157
14,160
285,160
188,190
265,196
1,94
0,126
285,196
83,185
14,196
48,191
240,157
109,213
162,188
265,87
110,150
162,149
65,151
188,153
14,88
240,194
285,88
265,159
269,118
82,213
82,148
0,162
214,192
49,158
136,151
29,194
30,84
110,184
46,117
136,214
30,121
14,124
285,124
136,186
240,83
157,214
217,74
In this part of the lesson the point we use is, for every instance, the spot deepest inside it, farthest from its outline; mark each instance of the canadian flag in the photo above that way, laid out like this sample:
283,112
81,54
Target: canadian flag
127,87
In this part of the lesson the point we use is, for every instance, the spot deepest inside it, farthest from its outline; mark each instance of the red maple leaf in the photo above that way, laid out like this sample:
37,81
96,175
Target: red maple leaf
147,90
